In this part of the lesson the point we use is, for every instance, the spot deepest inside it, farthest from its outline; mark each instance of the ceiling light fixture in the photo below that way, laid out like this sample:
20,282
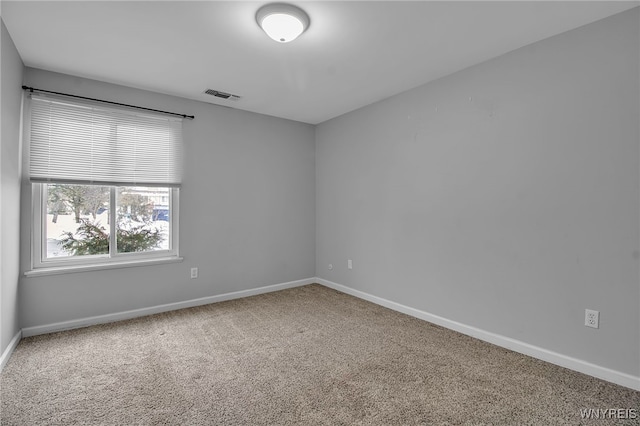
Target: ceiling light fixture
282,22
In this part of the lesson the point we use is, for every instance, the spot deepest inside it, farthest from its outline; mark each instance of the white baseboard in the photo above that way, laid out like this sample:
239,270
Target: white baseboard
119,316
9,350
575,364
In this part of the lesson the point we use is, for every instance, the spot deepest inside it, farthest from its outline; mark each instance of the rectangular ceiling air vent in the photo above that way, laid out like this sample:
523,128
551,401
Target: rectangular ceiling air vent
222,95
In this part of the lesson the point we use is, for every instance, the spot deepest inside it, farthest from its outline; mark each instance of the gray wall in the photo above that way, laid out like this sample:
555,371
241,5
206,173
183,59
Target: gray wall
505,196
11,99
247,212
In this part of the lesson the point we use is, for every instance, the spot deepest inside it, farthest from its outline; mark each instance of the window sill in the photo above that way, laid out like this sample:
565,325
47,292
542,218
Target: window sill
70,269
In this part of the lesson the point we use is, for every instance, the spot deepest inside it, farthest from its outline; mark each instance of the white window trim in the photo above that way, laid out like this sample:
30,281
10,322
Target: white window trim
70,269
41,266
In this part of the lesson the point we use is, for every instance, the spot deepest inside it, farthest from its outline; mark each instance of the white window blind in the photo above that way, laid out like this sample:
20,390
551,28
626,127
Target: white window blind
73,142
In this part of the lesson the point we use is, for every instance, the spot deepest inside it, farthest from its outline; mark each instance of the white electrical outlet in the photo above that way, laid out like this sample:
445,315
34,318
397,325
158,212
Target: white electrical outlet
349,264
591,318
194,273
330,266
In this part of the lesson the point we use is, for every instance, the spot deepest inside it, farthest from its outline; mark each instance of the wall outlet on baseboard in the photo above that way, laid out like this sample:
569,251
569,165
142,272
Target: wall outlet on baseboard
194,273
591,318
349,264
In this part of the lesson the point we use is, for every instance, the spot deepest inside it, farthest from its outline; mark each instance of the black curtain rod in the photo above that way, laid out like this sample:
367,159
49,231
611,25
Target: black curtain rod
31,89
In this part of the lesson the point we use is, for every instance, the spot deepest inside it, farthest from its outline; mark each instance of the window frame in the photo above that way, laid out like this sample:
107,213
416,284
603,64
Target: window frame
42,266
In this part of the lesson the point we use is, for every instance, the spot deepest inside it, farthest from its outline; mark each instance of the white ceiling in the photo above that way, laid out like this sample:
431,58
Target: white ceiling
354,53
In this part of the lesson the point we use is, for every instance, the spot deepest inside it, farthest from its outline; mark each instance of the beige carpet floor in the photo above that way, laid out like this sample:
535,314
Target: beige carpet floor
308,355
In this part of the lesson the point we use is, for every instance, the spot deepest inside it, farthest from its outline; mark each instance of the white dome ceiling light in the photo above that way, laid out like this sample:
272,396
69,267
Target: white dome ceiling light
282,22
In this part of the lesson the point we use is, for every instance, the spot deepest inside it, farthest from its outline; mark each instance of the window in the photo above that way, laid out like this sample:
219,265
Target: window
105,184
81,221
